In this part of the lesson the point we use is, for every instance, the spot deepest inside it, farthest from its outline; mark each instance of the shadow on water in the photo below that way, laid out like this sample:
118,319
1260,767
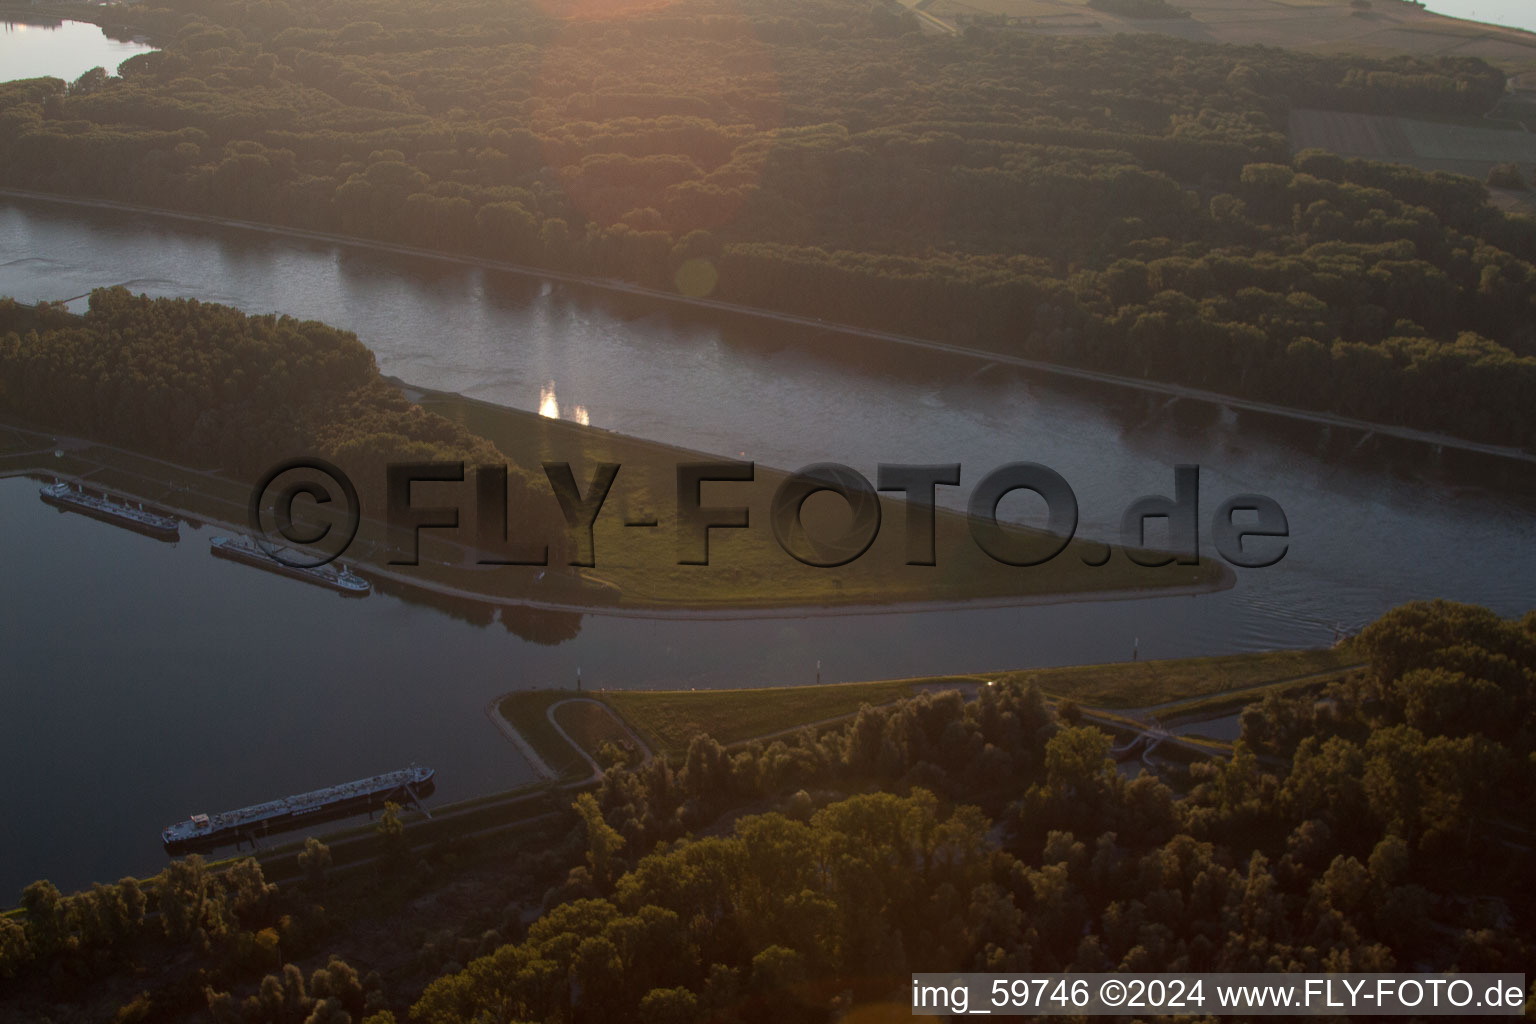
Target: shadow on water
547,627
540,625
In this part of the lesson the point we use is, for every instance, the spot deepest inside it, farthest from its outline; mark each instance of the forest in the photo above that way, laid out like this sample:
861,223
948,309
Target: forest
1128,204
1374,827
209,387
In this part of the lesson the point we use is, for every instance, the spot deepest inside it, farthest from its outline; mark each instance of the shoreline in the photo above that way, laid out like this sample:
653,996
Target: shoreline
1173,391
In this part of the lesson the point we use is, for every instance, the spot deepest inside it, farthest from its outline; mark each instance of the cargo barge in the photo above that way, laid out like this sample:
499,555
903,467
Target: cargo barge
205,831
73,498
334,576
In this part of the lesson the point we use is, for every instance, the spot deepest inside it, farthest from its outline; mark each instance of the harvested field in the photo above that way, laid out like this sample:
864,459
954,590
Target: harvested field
1363,135
1431,141
1427,145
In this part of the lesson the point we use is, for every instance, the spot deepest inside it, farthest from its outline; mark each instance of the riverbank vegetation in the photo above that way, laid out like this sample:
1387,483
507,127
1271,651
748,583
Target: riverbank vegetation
1126,204
1380,828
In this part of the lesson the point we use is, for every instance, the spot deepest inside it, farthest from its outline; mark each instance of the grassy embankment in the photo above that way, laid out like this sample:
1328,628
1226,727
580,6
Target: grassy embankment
668,719
527,712
1221,704
1141,684
587,718
459,825
748,568
469,829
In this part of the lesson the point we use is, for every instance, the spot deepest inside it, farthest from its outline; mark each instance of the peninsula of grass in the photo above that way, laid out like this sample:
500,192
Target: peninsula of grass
748,569
668,719
1147,684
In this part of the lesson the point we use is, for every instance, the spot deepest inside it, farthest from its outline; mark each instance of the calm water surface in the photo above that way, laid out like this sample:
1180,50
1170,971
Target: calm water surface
154,681
67,50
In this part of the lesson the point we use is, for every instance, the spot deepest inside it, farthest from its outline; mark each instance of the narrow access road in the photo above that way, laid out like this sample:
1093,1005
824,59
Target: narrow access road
646,756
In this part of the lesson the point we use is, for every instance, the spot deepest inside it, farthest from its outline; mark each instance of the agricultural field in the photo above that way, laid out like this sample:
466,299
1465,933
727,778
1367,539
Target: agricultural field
1456,148
1387,27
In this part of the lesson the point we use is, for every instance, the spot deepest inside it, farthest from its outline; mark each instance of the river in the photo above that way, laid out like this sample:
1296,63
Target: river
143,681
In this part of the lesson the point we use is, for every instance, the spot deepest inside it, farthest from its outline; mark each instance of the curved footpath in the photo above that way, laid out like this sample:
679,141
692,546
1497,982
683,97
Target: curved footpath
614,285
597,770
539,765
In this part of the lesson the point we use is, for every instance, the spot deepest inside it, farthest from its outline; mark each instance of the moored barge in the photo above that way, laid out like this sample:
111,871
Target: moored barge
73,498
334,576
205,831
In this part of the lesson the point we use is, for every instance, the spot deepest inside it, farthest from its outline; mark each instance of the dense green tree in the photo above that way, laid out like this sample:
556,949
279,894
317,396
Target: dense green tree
315,861
392,839
603,841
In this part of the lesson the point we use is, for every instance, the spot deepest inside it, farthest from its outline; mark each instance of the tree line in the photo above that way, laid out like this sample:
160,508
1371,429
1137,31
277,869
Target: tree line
232,920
